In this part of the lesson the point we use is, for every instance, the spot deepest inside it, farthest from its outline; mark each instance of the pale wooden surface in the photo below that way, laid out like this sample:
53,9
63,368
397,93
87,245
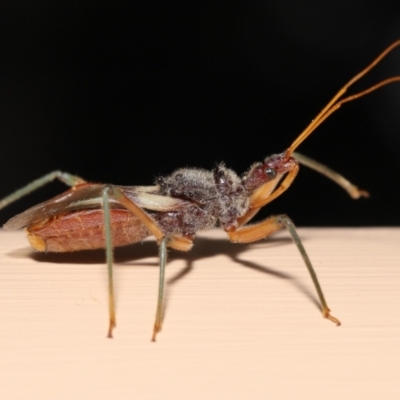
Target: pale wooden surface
242,323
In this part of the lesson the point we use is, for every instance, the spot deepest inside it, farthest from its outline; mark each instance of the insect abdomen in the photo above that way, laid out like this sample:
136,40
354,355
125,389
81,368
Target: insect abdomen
84,230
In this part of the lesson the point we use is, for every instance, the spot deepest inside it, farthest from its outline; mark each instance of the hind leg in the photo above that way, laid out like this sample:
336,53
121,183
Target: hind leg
68,179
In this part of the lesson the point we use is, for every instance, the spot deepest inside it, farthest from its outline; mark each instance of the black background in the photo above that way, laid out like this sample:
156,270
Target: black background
127,91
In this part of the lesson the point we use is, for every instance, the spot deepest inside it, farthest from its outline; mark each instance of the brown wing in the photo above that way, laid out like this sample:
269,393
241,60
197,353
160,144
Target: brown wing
89,196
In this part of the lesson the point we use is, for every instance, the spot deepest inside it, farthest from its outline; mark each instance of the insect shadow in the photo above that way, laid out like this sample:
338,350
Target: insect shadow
132,256
208,247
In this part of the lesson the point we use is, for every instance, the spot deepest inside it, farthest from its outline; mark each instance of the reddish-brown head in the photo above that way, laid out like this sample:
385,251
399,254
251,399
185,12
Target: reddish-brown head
272,168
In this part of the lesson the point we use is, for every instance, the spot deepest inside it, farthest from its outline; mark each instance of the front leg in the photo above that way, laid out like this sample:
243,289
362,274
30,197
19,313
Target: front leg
251,233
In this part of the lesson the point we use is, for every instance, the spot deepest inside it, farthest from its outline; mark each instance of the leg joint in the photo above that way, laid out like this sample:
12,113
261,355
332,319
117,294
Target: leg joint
284,220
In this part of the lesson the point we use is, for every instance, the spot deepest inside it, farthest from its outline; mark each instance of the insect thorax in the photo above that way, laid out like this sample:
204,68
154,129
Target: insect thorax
213,196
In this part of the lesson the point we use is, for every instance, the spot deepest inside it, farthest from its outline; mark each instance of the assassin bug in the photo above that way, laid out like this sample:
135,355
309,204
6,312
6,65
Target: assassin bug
92,216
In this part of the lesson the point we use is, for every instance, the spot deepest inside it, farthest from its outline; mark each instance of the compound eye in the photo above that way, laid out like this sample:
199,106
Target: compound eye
270,172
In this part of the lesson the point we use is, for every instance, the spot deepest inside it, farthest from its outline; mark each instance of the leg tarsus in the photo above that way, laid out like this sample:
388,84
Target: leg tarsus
111,328
326,314
156,329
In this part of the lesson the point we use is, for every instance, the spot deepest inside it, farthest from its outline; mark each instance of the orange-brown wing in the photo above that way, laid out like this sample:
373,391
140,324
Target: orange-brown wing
89,196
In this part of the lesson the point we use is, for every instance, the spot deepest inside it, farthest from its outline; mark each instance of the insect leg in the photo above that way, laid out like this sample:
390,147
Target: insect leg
68,179
349,187
160,299
176,242
259,199
263,196
109,259
118,195
265,228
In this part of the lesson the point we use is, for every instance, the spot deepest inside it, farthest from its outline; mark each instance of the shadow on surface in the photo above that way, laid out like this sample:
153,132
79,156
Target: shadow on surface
203,248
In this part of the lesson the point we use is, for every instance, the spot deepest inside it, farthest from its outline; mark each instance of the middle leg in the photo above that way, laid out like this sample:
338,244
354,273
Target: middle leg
176,242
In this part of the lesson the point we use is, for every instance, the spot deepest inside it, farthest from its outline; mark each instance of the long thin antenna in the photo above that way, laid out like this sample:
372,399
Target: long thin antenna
335,103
